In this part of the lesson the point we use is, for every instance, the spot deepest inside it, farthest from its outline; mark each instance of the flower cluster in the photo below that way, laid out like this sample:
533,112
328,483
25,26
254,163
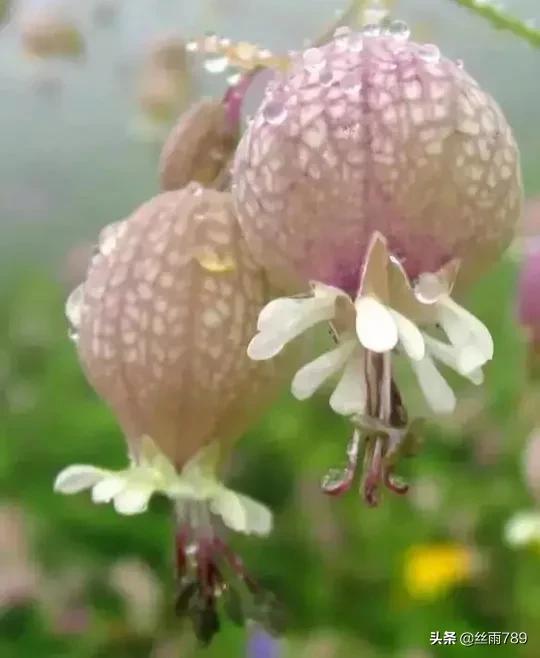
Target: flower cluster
375,179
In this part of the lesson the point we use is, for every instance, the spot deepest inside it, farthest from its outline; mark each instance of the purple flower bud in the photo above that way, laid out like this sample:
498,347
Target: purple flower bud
375,133
163,319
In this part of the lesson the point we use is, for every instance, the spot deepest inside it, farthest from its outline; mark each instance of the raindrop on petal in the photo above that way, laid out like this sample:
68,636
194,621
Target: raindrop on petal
371,30
399,30
192,46
275,112
342,31
356,43
326,77
314,59
74,307
429,52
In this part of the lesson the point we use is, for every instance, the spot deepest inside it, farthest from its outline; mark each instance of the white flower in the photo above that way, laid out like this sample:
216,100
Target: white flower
130,489
523,529
386,313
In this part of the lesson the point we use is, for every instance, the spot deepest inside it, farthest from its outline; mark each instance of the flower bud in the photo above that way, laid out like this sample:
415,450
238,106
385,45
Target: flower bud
375,133
199,146
47,34
163,320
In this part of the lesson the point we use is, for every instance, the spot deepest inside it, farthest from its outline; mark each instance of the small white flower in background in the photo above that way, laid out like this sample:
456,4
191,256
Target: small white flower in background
523,530
386,314
131,489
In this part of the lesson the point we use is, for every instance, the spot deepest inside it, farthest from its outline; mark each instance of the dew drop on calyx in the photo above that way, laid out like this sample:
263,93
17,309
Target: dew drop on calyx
342,31
429,52
73,308
399,30
195,188
326,77
429,288
356,43
216,64
371,30
274,112
314,59
109,237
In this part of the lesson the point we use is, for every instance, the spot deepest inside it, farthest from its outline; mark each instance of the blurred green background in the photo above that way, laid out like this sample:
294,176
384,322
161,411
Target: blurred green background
78,581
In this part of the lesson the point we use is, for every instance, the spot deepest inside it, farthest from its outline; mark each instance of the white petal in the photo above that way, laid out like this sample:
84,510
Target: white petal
476,377
467,361
265,345
463,328
78,477
258,518
133,499
109,487
409,336
228,505
523,529
349,396
375,326
322,290
286,325
280,310
470,358
436,390
309,378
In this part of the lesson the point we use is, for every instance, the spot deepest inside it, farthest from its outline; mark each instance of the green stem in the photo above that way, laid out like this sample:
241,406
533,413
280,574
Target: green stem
501,20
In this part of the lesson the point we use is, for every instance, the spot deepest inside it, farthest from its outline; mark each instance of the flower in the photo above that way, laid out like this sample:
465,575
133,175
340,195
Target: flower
383,316
161,325
378,173
523,530
370,133
130,489
431,570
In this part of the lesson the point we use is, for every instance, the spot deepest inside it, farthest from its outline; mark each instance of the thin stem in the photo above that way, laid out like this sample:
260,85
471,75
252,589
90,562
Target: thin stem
502,20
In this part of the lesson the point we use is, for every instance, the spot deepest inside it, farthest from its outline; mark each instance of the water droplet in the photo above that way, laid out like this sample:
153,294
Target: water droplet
352,82
342,31
399,30
326,77
234,79
74,305
275,112
429,288
192,46
429,52
265,54
371,30
73,335
356,43
460,63
216,64
224,43
195,188
109,236
314,59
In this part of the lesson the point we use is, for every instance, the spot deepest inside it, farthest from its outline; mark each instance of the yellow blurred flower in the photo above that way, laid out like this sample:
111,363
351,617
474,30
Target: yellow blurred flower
431,570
